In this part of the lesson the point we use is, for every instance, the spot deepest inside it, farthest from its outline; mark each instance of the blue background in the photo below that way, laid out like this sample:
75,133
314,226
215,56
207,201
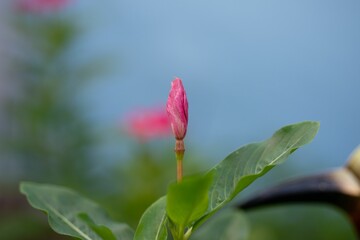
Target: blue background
249,67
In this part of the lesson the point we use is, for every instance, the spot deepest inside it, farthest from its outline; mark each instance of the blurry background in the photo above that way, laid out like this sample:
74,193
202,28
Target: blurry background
79,81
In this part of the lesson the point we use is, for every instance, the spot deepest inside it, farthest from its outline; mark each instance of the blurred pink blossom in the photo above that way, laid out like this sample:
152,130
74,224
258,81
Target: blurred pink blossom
177,109
148,124
40,6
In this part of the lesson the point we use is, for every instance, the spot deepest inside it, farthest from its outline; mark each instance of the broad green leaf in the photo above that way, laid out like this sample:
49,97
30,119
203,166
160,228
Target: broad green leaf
152,225
250,162
227,225
188,200
73,215
102,231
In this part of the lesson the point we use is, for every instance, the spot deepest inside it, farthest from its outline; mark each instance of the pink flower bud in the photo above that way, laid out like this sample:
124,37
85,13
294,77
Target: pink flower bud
177,109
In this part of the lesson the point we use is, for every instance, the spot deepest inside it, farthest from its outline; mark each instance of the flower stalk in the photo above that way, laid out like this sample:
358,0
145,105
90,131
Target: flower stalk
177,109
179,153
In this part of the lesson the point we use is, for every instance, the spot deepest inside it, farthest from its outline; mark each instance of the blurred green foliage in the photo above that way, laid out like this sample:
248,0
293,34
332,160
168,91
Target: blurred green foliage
44,131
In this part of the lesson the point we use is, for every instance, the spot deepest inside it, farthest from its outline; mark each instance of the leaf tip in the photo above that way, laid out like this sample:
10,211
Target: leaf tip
23,186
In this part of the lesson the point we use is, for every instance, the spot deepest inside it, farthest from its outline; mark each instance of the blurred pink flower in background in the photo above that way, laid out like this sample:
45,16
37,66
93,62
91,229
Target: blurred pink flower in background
40,6
148,124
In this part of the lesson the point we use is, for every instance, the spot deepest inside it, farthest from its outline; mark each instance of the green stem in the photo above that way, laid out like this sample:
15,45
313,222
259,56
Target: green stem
178,232
181,233
179,169
179,153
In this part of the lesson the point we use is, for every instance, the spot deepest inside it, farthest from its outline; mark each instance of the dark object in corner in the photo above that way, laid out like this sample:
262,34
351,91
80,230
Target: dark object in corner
340,187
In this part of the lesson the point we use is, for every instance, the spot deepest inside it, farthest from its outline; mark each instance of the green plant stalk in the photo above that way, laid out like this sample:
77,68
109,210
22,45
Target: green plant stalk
177,232
179,153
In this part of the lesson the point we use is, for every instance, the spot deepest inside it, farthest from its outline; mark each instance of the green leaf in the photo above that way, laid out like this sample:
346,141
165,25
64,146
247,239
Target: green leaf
152,225
228,225
250,162
102,231
188,200
73,215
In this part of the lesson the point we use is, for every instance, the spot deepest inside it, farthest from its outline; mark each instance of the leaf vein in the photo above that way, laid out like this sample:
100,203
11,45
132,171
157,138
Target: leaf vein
63,218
